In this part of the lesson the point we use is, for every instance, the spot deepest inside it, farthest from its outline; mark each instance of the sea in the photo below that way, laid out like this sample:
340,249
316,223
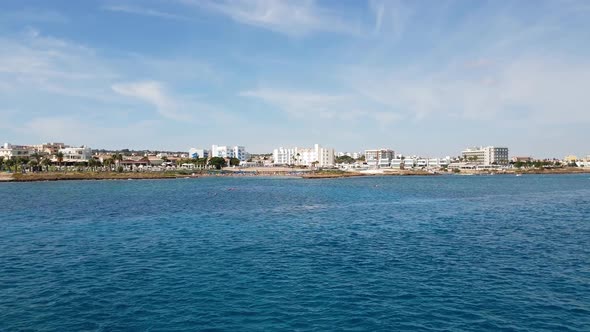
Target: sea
407,253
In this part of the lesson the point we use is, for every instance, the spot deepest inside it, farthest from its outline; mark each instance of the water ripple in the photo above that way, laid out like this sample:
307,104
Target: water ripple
411,254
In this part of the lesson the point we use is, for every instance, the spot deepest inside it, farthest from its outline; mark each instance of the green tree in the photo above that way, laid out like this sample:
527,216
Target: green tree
37,157
344,160
46,162
9,163
1,163
93,163
60,158
33,164
202,162
218,162
109,163
234,162
17,162
117,158
361,158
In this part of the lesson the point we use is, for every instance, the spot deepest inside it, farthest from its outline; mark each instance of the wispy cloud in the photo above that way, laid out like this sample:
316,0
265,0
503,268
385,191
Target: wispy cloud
136,10
298,103
530,89
284,16
33,15
32,61
305,104
154,93
391,16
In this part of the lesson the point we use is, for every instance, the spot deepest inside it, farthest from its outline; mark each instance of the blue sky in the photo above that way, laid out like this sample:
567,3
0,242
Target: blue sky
421,77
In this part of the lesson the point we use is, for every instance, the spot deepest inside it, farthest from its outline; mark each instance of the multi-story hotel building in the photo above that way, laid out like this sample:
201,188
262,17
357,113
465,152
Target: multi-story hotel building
75,155
9,151
198,153
379,157
320,156
48,148
489,155
229,152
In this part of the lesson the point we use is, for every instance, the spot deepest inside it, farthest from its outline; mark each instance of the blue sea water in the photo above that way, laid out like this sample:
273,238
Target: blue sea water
448,253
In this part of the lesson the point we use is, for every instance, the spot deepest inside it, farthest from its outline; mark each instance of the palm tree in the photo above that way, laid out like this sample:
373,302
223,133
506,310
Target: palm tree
9,163
17,161
36,156
60,158
32,164
1,162
92,163
46,162
109,163
117,158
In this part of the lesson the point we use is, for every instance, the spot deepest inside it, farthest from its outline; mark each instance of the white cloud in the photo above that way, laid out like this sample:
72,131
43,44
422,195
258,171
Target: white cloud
531,89
144,11
74,72
285,16
302,104
391,17
297,103
153,93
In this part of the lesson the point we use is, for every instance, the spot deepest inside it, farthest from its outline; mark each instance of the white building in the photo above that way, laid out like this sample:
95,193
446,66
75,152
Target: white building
322,157
397,163
230,152
198,153
76,155
379,157
9,151
489,155
48,148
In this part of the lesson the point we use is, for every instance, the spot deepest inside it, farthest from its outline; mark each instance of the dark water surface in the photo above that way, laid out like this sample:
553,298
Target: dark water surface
449,253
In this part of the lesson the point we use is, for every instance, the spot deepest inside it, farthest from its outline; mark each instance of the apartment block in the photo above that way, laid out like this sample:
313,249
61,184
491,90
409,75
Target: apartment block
489,155
301,156
379,157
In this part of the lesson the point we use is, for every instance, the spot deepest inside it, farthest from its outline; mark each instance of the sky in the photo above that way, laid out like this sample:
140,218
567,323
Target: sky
419,77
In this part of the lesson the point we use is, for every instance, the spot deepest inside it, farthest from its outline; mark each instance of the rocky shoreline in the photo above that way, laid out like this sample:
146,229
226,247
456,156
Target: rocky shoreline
71,176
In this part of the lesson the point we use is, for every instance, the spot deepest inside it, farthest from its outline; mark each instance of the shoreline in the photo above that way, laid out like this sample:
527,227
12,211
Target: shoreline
97,176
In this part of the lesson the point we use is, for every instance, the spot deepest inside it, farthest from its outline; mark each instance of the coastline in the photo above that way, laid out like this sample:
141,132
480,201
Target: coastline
78,176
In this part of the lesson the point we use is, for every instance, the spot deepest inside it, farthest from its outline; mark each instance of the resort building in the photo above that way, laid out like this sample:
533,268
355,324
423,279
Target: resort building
318,156
49,148
489,155
229,152
76,155
198,153
418,162
397,163
521,159
409,162
9,151
379,157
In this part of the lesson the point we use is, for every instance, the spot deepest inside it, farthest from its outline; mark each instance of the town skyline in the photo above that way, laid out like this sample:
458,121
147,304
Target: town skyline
209,150
424,78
